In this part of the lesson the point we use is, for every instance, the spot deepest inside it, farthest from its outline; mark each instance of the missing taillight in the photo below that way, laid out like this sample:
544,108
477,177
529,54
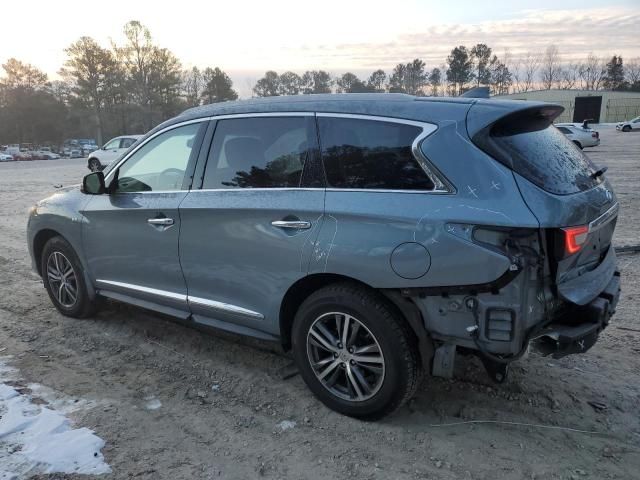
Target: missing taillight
575,238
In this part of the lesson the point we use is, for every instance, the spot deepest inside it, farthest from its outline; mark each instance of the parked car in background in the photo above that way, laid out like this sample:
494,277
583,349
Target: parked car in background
111,150
372,246
13,149
582,137
88,149
633,124
5,157
75,153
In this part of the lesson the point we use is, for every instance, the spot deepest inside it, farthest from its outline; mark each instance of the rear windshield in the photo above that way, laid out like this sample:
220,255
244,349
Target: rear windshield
535,149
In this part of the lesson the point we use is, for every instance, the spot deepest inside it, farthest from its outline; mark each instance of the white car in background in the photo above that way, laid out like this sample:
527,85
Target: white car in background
582,137
5,157
633,124
111,150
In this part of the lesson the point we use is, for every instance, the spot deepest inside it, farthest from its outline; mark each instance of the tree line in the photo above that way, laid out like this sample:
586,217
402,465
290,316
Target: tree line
102,92
466,68
134,84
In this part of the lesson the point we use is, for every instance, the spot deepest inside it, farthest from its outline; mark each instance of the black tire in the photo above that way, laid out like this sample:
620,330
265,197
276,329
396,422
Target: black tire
578,144
402,370
82,306
94,165
626,128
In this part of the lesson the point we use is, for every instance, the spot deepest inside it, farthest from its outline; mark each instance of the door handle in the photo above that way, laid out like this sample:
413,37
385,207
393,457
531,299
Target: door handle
165,222
294,224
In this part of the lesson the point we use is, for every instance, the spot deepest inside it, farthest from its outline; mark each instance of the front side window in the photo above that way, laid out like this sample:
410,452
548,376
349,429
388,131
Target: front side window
113,144
371,154
127,142
260,152
161,163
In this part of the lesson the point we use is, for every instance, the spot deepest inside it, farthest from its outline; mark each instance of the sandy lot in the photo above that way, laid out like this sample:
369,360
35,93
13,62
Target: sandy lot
173,402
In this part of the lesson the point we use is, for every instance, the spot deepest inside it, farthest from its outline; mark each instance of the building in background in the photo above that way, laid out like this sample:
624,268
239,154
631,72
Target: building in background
599,106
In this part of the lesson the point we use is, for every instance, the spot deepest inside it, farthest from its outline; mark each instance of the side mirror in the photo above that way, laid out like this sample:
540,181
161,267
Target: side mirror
93,184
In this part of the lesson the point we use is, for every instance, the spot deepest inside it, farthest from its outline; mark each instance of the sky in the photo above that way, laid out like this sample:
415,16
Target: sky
246,37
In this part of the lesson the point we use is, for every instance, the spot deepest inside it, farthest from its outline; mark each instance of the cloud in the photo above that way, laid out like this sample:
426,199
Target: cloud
575,32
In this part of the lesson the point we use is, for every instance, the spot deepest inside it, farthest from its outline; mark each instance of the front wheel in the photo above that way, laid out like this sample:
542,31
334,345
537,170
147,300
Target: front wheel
63,279
626,128
94,165
355,352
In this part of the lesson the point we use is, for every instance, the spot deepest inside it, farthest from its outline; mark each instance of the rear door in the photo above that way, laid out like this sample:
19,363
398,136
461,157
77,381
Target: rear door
247,234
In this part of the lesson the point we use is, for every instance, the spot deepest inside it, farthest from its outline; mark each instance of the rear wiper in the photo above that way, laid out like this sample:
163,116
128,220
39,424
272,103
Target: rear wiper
600,172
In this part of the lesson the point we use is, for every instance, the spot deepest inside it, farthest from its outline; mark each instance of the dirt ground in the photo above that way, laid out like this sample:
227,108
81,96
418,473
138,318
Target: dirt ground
173,402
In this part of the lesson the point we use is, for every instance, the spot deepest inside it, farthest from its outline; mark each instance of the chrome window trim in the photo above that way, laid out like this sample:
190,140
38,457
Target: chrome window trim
262,114
107,179
441,184
140,288
604,218
224,307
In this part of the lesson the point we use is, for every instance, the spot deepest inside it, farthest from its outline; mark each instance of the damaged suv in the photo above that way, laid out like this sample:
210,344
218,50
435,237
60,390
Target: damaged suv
373,235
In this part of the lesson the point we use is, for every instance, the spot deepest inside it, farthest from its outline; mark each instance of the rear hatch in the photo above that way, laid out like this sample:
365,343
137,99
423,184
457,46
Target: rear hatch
568,194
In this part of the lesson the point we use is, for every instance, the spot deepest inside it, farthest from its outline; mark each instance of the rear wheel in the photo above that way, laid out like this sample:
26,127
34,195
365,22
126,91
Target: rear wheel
354,351
62,275
578,144
94,164
626,128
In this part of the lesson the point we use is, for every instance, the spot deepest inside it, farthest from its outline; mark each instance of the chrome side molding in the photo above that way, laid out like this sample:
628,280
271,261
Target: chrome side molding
186,299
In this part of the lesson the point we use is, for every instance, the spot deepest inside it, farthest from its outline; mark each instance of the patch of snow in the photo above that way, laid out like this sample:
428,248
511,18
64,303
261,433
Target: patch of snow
36,439
152,403
286,425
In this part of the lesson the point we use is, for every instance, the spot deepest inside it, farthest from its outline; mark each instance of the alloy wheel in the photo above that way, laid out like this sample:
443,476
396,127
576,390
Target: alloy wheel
62,279
345,356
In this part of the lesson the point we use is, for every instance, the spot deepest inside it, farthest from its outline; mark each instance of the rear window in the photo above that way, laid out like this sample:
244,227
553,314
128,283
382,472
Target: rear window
370,154
532,147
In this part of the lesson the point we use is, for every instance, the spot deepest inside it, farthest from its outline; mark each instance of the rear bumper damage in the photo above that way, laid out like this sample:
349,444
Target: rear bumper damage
578,328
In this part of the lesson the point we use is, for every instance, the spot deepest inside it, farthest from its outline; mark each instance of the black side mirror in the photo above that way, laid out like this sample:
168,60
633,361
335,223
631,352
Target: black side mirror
93,184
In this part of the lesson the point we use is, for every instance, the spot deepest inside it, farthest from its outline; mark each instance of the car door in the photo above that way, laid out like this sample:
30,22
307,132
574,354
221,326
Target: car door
110,151
247,234
131,234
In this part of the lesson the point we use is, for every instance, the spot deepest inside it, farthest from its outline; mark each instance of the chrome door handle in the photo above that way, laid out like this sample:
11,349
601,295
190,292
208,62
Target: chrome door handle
296,224
165,222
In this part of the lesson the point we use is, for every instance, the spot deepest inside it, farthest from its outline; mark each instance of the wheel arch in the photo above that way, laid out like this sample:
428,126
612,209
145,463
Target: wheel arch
39,241
404,307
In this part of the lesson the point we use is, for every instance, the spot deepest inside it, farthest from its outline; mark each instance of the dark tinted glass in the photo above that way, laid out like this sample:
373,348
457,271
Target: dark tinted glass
564,130
370,154
543,155
264,152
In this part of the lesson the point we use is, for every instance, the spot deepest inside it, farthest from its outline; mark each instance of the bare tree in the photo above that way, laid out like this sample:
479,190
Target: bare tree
551,68
632,71
529,64
569,75
592,72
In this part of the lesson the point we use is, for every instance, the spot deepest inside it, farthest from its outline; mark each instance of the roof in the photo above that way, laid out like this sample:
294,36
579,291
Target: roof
427,109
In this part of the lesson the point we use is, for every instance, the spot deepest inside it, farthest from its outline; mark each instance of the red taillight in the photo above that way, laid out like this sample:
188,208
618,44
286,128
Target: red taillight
575,238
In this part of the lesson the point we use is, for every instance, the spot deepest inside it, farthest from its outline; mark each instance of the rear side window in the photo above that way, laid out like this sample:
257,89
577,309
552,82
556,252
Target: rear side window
370,154
267,152
532,147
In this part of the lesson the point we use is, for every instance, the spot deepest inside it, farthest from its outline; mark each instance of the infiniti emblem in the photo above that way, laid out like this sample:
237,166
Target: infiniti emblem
608,194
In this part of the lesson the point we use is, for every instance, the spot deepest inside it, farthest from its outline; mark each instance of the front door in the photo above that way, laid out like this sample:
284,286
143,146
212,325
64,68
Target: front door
248,234
131,234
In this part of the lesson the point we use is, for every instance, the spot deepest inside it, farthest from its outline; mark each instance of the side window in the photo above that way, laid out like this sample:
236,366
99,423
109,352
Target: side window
564,130
369,154
127,142
113,144
259,152
160,164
